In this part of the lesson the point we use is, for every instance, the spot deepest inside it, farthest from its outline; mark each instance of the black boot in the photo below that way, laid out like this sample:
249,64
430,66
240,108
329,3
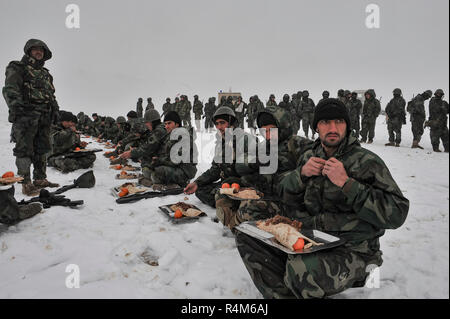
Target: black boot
9,209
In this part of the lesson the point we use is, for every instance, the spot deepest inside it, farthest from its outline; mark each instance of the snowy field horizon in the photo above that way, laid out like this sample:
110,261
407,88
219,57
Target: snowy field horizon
200,260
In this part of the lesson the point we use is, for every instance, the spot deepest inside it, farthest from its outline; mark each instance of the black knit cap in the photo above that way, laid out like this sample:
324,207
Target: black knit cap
65,116
264,119
331,109
173,116
132,114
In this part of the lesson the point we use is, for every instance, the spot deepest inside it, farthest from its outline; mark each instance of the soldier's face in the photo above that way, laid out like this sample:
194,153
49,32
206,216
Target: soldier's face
221,126
149,126
268,134
37,53
332,132
170,126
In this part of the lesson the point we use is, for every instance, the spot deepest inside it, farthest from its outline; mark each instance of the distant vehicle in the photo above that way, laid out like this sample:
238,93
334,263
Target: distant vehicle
234,96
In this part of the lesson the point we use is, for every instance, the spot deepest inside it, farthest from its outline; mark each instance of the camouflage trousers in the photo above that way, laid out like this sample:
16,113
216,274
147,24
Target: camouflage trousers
70,164
394,127
307,121
315,275
208,122
207,193
233,212
368,128
166,175
354,124
417,128
32,136
438,134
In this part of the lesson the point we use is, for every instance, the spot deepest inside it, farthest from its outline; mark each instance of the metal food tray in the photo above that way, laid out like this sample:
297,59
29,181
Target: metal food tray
185,219
133,176
116,190
261,195
85,150
329,241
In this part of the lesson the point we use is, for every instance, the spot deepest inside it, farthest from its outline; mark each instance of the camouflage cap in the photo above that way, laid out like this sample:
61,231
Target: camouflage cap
139,126
121,120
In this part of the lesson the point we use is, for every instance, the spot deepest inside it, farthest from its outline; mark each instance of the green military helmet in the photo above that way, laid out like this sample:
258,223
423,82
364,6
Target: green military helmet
195,96
272,96
305,93
427,94
397,91
325,94
340,92
121,120
225,113
347,93
152,115
439,92
139,126
109,120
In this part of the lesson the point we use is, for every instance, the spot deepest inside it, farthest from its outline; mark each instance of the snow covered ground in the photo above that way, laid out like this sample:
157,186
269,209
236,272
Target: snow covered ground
200,260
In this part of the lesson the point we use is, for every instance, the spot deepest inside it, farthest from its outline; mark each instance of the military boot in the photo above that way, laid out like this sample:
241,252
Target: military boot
370,142
446,148
436,149
145,181
29,210
397,144
414,144
121,161
42,183
390,144
29,189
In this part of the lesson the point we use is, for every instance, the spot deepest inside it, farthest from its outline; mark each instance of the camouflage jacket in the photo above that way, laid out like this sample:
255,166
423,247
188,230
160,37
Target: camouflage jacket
223,167
371,108
210,108
438,112
416,108
29,89
167,107
150,147
271,103
354,109
395,109
163,154
307,106
369,202
63,140
198,109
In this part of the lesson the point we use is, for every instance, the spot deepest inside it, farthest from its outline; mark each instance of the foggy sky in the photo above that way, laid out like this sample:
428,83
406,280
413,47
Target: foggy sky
130,49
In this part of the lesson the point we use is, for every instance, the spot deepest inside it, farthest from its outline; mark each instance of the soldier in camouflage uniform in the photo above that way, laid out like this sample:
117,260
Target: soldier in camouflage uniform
111,129
339,188
233,212
221,170
167,107
139,108
354,110
416,109
437,121
198,112
340,95
150,105
64,141
81,121
252,110
240,110
185,110
307,111
370,112
271,101
325,95
177,105
259,104
96,123
396,117
210,108
163,170
123,130
30,96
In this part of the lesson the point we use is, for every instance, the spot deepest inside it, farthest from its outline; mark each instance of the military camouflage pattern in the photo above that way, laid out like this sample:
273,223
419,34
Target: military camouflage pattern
307,107
210,108
439,109
354,110
416,109
395,111
139,108
370,112
150,146
358,213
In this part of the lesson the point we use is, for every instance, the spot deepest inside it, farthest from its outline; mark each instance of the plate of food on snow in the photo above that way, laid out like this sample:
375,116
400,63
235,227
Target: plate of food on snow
181,212
128,189
234,191
9,178
288,235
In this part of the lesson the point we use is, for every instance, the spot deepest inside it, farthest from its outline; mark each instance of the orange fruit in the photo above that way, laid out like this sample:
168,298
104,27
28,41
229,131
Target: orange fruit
225,185
235,186
8,175
77,149
178,213
123,173
299,244
112,157
123,192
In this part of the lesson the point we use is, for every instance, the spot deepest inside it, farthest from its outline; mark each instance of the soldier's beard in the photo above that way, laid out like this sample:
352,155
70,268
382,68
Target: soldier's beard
336,143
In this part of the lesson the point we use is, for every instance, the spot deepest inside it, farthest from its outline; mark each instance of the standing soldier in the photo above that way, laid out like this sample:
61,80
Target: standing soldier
340,95
198,112
139,108
416,109
167,107
354,111
177,105
210,108
307,109
259,104
294,112
30,96
271,101
325,95
371,110
396,117
150,105
240,109
438,121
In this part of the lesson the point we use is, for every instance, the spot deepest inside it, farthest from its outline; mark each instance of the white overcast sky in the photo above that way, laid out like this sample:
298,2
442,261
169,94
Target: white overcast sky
129,49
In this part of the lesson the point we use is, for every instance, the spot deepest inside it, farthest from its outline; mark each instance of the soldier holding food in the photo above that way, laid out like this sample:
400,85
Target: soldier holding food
339,188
